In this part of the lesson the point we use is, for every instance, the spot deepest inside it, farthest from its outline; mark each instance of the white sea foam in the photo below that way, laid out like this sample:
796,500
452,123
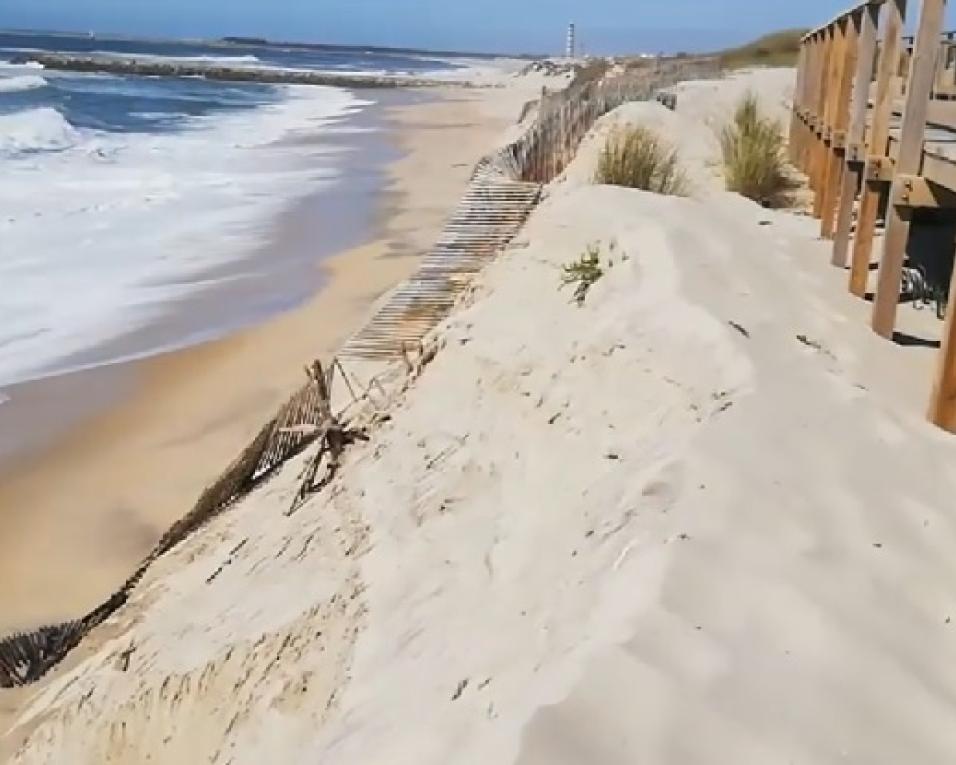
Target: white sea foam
24,82
35,130
100,236
208,60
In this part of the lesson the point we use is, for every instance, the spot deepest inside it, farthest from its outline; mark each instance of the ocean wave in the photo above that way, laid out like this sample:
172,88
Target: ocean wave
250,59
24,82
198,59
6,64
36,130
120,227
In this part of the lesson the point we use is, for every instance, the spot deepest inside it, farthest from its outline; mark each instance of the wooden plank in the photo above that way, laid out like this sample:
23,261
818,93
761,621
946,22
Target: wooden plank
942,405
894,19
834,77
803,109
812,83
819,95
918,88
919,192
942,114
942,82
812,86
939,169
868,22
818,168
846,68
808,91
890,57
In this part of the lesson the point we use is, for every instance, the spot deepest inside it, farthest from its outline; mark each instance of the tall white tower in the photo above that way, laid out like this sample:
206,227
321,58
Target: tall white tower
571,47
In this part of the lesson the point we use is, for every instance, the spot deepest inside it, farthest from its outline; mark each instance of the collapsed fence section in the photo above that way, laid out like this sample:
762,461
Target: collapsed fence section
504,189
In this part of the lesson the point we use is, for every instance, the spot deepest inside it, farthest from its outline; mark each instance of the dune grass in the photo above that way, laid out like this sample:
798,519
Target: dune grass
637,158
752,149
777,49
583,273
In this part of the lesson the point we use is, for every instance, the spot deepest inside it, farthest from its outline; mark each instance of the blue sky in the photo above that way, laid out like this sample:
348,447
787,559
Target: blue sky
492,25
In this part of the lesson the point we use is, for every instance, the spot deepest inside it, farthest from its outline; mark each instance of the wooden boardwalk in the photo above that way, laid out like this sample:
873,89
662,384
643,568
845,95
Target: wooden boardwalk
874,129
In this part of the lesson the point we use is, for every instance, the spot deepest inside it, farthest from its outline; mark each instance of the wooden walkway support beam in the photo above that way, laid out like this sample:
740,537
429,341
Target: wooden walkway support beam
919,87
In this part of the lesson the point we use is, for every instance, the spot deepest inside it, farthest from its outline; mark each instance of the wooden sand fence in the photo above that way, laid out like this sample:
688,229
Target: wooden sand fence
503,190
874,129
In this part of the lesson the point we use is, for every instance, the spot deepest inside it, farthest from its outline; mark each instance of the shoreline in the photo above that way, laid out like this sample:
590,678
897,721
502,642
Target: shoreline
127,468
276,273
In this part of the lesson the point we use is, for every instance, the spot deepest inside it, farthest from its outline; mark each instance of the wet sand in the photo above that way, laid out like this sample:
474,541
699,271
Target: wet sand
77,514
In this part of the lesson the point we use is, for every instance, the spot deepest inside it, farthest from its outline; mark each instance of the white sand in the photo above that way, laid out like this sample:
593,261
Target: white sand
622,533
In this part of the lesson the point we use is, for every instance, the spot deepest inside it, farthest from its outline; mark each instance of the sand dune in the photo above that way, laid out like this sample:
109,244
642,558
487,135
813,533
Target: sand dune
699,519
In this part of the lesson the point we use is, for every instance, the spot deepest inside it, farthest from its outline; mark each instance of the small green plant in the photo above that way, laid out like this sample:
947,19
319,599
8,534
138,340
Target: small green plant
752,151
637,158
584,272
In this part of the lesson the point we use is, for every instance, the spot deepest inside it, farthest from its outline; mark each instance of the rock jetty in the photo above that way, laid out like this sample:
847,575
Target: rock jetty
153,68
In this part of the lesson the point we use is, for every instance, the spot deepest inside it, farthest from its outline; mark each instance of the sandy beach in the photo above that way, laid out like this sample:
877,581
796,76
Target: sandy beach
698,519
93,504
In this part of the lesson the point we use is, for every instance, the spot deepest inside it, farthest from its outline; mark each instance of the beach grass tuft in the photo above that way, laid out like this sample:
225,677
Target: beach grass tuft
638,158
583,273
752,150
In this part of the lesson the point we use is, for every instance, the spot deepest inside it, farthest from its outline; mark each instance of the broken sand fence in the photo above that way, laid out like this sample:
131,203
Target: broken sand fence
504,188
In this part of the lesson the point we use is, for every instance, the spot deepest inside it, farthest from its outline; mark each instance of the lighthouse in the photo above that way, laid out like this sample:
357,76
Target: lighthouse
571,44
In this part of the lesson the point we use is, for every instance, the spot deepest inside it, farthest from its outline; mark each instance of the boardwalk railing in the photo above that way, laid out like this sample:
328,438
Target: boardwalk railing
874,123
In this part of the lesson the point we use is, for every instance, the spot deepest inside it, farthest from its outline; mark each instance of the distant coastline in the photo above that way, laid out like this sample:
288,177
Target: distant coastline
384,49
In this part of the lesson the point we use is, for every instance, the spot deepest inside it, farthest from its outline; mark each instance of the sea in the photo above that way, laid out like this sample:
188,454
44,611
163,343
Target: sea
121,195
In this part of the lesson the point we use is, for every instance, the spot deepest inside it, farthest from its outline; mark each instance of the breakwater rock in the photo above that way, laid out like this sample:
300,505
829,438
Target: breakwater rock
154,68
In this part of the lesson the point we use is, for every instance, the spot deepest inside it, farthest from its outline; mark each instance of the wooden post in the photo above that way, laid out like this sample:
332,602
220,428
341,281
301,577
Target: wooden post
942,405
846,68
830,110
818,154
877,144
811,83
867,21
795,123
918,88
828,94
